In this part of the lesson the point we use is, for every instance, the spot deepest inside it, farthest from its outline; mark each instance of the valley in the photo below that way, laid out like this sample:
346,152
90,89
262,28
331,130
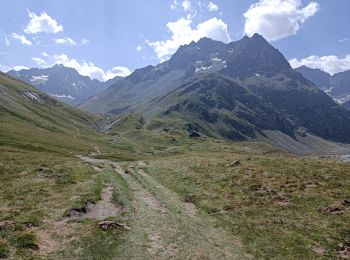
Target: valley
203,156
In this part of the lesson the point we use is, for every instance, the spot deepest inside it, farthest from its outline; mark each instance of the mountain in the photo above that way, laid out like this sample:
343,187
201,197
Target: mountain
340,86
320,78
62,83
346,105
337,85
194,59
233,91
33,120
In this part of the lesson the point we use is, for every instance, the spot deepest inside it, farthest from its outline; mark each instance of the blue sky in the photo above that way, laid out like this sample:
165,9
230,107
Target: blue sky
106,38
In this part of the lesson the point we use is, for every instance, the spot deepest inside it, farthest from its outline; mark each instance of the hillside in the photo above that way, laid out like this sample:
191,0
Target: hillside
33,120
337,85
250,88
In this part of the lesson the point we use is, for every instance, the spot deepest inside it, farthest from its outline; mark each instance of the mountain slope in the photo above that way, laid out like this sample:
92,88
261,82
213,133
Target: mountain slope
233,91
346,105
337,85
320,78
219,106
62,83
31,118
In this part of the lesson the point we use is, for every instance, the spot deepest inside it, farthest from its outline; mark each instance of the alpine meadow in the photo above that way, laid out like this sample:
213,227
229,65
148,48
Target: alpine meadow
175,129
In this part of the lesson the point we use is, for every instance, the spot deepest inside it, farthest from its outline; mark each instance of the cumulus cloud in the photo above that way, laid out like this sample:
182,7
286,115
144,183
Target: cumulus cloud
90,69
40,62
84,41
65,41
182,33
186,5
331,64
7,68
7,41
276,19
21,38
139,48
344,40
42,23
212,7
45,54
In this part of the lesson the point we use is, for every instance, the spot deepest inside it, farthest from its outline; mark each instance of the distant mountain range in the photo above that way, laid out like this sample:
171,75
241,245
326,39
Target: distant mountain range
62,83
239,91
337,86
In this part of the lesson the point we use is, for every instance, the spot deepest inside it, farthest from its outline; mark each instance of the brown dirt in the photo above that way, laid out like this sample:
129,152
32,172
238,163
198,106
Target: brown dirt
104,208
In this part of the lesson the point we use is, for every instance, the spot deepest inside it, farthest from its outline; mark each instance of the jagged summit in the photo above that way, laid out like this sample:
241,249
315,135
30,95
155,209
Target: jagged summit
224,90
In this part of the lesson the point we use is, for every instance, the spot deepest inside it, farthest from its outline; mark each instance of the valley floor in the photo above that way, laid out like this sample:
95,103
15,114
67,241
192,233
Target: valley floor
201,199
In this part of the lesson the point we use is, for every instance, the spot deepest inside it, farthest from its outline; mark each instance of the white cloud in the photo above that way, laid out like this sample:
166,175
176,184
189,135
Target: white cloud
174,4
65,41
344,40
7,68
182,33
276,19
20,68
186,5
42,23
212,7
117,71
45,54
23,40
139,48
84,41
7,41
331,64
40,62
90,69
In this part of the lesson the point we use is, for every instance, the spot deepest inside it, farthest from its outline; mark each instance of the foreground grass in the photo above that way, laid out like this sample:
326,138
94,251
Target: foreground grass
277,204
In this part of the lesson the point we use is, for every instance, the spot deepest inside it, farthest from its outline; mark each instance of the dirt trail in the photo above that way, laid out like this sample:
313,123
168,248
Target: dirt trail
163,226
104,208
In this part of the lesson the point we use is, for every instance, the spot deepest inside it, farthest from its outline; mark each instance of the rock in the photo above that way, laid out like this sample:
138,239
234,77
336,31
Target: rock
235,163
346,203
333,210
104,225
6,224
194,135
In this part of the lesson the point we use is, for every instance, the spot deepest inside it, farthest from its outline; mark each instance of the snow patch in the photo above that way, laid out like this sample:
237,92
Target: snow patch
203,68
39,79
341,100
62,96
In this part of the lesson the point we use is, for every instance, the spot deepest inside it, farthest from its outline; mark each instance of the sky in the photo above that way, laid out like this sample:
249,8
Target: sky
107,38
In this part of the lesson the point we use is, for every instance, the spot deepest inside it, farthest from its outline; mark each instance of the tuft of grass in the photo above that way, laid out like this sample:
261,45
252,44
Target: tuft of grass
4,249
26,240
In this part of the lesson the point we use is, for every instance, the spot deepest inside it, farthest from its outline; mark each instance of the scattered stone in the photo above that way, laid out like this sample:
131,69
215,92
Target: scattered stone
333,210
235,163
346,203
189,198
6,224
194,135
318,249
343,250
104,225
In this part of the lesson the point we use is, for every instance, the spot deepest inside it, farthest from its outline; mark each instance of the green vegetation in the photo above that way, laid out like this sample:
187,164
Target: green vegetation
172,196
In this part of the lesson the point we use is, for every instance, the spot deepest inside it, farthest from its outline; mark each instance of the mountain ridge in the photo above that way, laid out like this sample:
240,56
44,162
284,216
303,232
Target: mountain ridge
62,83
254,66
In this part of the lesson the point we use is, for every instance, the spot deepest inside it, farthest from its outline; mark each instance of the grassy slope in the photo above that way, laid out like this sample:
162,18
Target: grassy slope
269,202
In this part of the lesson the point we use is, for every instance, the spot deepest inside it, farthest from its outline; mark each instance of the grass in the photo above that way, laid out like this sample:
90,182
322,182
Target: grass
273,203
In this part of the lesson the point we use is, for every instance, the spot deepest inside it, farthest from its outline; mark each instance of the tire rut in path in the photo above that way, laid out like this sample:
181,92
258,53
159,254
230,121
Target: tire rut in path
163,226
